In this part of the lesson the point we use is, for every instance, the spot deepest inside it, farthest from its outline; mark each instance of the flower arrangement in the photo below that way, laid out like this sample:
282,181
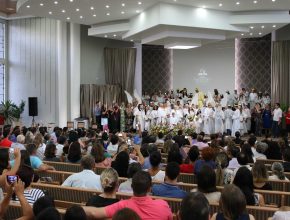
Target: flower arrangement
166,129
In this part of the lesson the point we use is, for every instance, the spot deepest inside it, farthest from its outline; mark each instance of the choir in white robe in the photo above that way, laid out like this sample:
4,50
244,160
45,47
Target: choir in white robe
219,117
236,122
228,119
161,119
139,119
208,122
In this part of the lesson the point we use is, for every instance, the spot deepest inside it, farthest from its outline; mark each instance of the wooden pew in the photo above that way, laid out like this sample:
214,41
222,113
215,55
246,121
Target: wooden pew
75,195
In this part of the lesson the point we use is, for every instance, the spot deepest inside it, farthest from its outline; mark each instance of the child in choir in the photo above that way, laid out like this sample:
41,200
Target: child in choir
228,120
219,117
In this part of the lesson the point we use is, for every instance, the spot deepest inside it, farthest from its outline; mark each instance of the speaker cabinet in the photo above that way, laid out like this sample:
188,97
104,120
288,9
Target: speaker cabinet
32,106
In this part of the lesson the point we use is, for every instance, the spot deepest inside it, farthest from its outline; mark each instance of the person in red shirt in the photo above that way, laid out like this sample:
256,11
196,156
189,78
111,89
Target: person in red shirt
146,207
287,116
193,155
5,142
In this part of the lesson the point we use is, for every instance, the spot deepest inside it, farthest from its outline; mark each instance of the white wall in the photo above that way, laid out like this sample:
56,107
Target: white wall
217,60
33,65
92,56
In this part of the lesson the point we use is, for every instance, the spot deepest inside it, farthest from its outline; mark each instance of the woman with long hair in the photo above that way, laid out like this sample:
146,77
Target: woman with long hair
74,153
223,174
260,176
233,205
278,172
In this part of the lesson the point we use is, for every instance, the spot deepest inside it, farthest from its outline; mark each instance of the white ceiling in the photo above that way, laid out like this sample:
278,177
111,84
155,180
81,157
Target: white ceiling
166,21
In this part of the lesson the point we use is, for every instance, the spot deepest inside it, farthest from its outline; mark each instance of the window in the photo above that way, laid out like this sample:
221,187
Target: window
2,60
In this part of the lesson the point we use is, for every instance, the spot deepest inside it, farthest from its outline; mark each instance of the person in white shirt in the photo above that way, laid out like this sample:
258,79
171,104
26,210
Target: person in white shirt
261,148
61,140
228,120
277,115
219,117
253,98
236,121
113,145
20,142
173,121
86,179
208,126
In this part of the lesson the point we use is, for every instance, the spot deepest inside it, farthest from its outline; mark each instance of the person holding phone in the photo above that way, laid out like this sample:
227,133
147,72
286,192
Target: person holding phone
16,187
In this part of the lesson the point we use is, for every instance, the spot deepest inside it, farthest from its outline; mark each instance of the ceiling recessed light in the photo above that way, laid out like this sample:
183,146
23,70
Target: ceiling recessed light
260,33
81,17
107,6
139,3
220,4
133,40
108,14
41,4
123,4
137,11
77,9
255,2
56,2
71,0
273,0
27,6
274,26
68,18
237,3
252,27
262,26
106,36
251,34
203,6
242,34
95,15
122,12
115,35
50,12
92,8
63,11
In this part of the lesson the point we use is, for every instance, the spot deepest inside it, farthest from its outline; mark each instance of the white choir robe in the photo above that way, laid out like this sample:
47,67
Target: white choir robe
161,116
228,119
219,117
247,116
148,119
139,120
173,121
179,113
236,122
154,117
208,123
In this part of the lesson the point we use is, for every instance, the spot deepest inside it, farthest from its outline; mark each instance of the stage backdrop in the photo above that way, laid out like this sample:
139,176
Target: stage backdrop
156,68
90,94
253,63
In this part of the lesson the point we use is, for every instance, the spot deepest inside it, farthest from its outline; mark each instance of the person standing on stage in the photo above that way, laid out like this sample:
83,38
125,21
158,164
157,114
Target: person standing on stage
277,116
98,113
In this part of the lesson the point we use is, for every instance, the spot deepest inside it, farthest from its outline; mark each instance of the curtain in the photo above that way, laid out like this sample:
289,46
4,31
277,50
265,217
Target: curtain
280,79
90,94
120,68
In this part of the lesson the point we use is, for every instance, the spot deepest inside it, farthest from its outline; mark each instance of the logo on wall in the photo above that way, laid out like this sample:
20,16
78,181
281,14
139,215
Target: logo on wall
201,77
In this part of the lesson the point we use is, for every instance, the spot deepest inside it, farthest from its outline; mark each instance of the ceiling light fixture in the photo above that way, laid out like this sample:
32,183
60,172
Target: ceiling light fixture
77,9
251,34
81,17
27,6
260,33
92,8
255,2
63,11
106,36
252,27
68,18
122,12
50,12
123,4
220,4
41,4
71,0
107,6
137,11
139,3
108,14
181,47
274,26
262,26
114,35
56,2
237,3
95,15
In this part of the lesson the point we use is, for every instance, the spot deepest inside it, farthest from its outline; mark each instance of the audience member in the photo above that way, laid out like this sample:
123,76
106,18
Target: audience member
174,154
50,213
126,187
126,214
146,207
85,179
75,212
39,143
74,153
169,188
102,159
206,184
207,156
20,141
233,163
193,155
155,172
61,141
26,174
194,206
199,143
110,183
113,145
233,205
260,176
224,175
121,163
286,160
244,180
261,148
42,203
277,172
50,153
247,150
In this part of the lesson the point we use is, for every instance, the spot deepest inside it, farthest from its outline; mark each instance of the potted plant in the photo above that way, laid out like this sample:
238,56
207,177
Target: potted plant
10,111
